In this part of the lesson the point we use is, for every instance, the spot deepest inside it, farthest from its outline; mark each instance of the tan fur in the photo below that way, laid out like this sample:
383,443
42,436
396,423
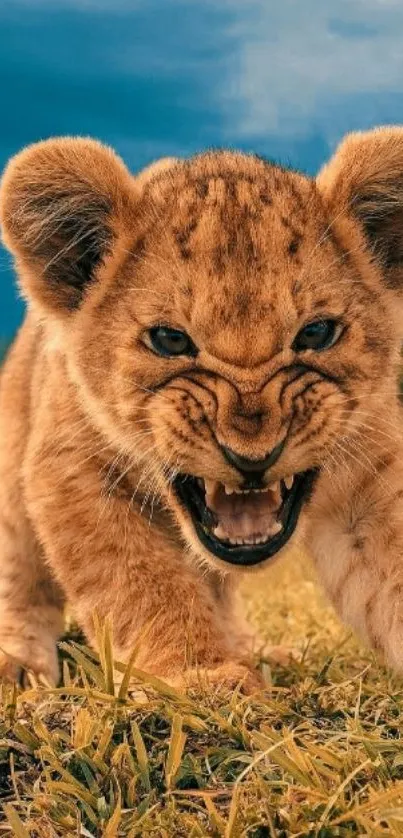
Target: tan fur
154,169
93,425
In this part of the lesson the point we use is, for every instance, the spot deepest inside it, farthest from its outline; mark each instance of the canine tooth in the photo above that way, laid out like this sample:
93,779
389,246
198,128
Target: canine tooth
275,490
220,532
277,526
209,486
289,481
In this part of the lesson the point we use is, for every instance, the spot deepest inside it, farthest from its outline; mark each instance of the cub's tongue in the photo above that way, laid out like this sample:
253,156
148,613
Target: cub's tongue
247,517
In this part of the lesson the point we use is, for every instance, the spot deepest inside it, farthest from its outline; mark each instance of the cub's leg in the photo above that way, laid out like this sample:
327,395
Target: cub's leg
358,551
108,560
31,615
244,638
30,602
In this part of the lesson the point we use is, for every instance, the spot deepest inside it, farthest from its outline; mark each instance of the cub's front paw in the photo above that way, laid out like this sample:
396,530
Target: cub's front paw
10,669
43,665
282,655
249,644
225,676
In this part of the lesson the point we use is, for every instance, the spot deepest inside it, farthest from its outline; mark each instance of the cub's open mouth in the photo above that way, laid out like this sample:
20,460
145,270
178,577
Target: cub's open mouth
244,527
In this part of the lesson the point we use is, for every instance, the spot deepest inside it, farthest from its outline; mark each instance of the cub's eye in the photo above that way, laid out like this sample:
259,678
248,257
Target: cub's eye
171,342
318,335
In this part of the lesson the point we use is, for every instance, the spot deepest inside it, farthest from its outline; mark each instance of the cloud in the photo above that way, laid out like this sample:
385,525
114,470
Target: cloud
255,73
300,66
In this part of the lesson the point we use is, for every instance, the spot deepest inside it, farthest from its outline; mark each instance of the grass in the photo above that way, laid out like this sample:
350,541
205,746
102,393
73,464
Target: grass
319,754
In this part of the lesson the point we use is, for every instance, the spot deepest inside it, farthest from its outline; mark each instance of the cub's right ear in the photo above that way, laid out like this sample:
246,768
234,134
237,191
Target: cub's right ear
364,181
64,203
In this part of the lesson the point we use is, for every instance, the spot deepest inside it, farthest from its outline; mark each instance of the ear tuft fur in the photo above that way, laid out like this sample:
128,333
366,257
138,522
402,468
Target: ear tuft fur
63,202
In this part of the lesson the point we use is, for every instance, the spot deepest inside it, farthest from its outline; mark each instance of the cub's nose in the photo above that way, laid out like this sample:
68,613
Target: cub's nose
247,466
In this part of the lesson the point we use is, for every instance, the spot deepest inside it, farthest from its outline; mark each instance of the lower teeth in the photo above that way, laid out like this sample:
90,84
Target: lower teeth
248,542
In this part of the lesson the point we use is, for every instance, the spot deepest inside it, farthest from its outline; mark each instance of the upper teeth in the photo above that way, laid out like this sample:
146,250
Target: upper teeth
230,490
274,488
209,485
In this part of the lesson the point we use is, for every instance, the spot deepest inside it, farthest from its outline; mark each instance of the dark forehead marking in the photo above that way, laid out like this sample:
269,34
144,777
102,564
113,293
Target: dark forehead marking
182,236
251,207
294,244
232,241
221,316
296,287
292,221
185,253
243,301
269,178
296,237
183,233
296,195
216,180
201,186
231,182
219,258
231,178
265,197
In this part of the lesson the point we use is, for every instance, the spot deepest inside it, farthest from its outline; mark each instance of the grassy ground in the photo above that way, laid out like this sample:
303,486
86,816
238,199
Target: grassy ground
319,754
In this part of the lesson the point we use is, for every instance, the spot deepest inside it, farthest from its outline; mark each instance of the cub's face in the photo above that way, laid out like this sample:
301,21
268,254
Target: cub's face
227,322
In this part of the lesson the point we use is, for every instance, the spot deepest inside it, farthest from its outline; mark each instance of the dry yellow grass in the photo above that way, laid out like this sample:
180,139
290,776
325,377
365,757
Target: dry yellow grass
319,754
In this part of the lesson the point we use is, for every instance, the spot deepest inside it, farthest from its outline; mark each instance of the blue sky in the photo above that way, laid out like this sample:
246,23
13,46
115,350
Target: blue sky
154,77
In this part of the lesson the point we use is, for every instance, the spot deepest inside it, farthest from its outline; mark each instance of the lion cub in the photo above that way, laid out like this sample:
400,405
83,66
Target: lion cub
206,372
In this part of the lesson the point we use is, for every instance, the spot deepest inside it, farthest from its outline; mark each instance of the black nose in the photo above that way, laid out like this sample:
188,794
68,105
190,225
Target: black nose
247,466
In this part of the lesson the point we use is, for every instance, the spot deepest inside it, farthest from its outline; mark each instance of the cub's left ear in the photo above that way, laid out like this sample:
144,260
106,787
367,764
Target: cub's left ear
64,204
364,180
